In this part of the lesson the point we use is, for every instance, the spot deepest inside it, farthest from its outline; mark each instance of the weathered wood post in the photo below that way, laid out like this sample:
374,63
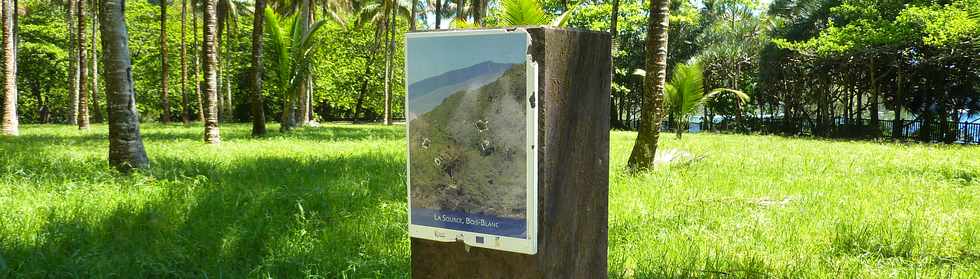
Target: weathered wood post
573,171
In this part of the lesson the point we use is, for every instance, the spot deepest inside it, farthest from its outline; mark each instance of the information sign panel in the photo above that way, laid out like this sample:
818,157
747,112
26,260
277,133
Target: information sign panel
472,130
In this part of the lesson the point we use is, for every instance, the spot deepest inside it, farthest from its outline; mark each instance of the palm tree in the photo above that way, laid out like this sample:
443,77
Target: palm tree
197,63
645,149
94,67
126,150
685,93
228,14
305,10
72,63
211,132
292,61
414,15
383,13
164,63
10,123
438,15
258,113
83,117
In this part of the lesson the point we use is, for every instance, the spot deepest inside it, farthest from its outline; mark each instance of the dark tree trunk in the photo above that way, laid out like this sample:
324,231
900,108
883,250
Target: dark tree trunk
873,106
258,113
476,9
83,117
438,14
460,16
645,149
898,128
126,150
414,14
164,64
211,132
367,74
43,112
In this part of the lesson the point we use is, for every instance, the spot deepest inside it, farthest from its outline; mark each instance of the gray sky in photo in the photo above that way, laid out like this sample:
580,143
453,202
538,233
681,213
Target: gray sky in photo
433,56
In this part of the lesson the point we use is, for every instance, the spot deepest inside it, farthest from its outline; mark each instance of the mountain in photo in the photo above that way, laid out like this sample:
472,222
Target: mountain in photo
469,151
425,95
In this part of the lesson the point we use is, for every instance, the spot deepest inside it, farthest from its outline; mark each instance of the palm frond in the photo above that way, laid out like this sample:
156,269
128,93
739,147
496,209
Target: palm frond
522,12
685,91
741,96
562,20
278,43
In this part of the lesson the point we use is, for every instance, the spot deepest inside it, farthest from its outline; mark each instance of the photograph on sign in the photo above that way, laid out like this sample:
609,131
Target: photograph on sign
471,136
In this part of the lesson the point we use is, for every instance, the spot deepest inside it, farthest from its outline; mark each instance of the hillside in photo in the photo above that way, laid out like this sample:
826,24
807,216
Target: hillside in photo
468,152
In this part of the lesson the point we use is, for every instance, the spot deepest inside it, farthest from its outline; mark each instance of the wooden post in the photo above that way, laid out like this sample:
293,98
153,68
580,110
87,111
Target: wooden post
573,171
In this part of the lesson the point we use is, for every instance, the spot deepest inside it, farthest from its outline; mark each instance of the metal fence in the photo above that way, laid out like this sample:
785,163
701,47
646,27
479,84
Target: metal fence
908,130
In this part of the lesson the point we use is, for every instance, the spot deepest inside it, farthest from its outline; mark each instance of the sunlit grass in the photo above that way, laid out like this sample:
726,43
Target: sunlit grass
330,201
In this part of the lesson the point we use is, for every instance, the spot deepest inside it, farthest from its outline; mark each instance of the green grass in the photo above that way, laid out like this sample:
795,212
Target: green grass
330,202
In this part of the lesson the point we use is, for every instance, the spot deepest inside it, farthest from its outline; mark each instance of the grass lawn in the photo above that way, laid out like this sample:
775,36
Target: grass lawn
330,202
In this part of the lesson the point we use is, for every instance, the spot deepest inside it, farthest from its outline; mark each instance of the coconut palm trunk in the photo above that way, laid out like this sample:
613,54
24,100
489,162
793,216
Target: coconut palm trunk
185,112
225,72
10,123
258,111
83,117
126,150
460,5
211,132
614,31
414,14
164,65
645,149
304,90
219,68
389,57
439,14
72,64
94,68
197,64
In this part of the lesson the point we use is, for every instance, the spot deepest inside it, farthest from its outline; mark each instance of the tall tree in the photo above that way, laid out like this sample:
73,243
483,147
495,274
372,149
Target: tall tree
211,132
258,113
197,63
10,122
382,13
83,117
292,59
126,150
438,14
645,149
72,63
415,13
614,31
185,102
94,67
389,57
303,102
164,64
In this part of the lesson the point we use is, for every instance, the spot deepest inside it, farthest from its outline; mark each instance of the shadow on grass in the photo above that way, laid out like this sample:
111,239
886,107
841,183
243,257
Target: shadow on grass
260,217
229,132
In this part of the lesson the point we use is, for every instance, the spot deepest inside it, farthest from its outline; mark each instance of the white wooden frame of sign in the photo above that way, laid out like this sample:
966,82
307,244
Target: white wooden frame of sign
518,245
